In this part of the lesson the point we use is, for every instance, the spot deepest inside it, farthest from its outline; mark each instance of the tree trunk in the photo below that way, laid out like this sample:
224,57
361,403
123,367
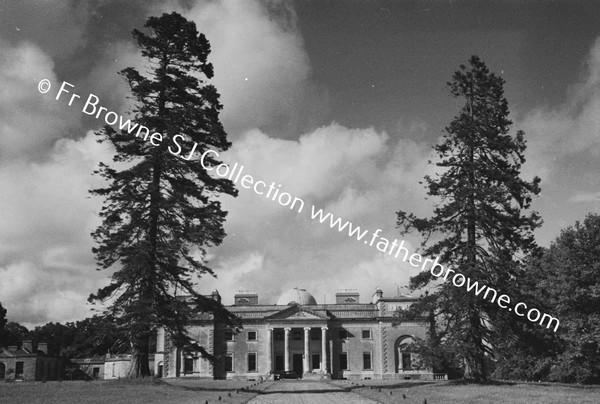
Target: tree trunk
139,357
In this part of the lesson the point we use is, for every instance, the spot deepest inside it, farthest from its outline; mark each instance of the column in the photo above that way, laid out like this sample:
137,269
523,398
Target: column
306,362
269,350
286,349
324,349
331,356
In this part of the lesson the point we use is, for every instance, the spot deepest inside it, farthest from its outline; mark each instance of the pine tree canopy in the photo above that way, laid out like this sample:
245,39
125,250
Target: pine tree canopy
161,212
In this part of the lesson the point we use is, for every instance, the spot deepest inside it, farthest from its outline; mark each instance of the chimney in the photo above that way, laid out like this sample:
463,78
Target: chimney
27,345
377,296
346,296
216,296
245,298
43,347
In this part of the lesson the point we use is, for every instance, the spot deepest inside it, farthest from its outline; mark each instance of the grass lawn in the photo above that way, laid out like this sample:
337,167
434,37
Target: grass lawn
181,391
387,391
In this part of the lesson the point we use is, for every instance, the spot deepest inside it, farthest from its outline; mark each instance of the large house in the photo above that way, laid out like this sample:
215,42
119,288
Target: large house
345,339
29,363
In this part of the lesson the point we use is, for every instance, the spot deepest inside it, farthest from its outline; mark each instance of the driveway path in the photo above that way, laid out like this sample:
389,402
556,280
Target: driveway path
307,392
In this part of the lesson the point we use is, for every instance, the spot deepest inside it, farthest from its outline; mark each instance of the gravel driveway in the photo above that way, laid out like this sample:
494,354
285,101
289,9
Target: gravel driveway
307,392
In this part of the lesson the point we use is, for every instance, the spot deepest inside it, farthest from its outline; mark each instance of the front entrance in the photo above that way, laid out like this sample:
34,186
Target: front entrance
297,363
279,365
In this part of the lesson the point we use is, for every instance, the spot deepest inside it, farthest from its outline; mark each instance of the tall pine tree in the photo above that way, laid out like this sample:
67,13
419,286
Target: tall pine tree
160,211
478,228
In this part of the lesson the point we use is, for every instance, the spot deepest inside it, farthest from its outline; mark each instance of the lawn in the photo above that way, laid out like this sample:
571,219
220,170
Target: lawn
466,393
183,391
179,391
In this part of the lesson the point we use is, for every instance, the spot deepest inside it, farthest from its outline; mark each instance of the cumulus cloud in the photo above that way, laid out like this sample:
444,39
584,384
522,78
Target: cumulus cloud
571,129
261,68
45,243
359,175
563,150
31,121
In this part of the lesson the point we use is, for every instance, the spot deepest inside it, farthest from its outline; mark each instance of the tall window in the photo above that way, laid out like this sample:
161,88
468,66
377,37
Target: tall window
19,370
367,365
251,335
228,366
252,362
344,361
406,361
188,364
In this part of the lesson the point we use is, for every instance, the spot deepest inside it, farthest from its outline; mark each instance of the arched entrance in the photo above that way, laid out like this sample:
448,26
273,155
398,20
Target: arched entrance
404,358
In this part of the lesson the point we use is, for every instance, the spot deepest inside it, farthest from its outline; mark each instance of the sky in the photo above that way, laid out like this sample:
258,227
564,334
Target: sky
340,102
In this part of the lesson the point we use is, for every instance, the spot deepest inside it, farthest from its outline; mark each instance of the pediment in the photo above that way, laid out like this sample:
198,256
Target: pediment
296,312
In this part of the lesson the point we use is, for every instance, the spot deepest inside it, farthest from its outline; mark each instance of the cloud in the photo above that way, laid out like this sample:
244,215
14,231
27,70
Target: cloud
262,70
563,149
45,242
571,129
359,175
586,197
31,121
57,27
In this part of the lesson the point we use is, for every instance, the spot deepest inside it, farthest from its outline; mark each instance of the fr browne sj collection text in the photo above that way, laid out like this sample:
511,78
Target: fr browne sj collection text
92,108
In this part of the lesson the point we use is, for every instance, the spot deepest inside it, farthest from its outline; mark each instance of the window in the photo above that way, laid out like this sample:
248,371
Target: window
297,335
228,335
406,361
343,333
278,336
252,336
2,371
367,365
113,371
96,372
252,362
315,334
366,334
188,364
344,361
19,370
228,362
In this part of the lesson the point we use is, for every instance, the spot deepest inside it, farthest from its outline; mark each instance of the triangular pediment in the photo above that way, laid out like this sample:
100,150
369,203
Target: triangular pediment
296,312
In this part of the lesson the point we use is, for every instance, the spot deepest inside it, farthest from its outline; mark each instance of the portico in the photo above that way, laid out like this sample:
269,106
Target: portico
296,333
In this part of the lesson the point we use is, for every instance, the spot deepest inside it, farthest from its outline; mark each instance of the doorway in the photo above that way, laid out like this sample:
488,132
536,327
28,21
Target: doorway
297,364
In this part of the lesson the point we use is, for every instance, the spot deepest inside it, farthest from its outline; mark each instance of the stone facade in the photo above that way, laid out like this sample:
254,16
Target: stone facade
28,364
347,339
107,367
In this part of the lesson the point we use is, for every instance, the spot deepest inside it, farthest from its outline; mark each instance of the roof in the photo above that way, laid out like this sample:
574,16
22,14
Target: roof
296,295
